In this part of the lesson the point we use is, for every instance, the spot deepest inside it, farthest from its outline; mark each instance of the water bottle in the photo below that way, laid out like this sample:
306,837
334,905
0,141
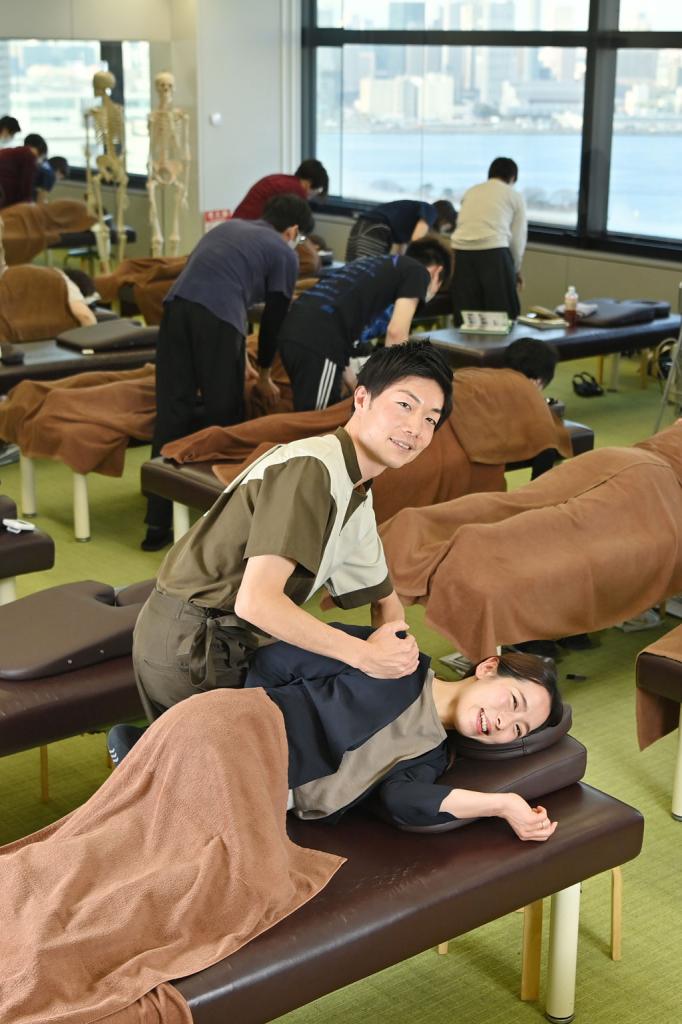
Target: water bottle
571,306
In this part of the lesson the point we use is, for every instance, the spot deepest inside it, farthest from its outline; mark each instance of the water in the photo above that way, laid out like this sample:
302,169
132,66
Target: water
644,195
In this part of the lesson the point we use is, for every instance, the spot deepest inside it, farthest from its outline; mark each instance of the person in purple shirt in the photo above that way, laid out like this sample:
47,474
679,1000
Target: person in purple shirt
201,344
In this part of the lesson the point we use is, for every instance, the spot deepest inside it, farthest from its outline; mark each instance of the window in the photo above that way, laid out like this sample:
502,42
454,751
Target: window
47,86
414,99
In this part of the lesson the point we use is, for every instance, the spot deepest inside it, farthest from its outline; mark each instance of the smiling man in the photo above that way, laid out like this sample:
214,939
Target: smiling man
298,518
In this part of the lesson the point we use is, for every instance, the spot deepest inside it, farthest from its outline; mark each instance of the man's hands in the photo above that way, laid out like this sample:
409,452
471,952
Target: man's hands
387,656
529,823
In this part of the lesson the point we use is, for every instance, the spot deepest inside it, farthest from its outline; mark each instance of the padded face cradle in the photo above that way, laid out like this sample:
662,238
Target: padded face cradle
530,744
63,629
108,335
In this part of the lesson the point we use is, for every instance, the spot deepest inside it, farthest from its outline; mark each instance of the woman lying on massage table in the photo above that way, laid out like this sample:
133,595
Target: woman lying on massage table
182,856
352,737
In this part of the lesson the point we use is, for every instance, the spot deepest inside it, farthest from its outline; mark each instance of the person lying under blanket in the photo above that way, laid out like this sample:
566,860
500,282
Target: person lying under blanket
182,856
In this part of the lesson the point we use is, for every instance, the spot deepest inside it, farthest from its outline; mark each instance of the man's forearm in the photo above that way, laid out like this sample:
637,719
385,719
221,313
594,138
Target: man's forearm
278,616
386,610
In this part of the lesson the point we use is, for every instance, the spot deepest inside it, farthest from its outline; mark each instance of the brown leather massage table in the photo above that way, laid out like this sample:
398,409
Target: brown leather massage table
399,894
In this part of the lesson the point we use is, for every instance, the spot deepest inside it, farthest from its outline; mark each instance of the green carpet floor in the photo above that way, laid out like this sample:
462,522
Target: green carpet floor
478,980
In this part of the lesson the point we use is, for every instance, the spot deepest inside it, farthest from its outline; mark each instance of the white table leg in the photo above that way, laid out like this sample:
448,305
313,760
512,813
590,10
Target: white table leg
8,590
677,778
27,478
563,955
81,507
180,520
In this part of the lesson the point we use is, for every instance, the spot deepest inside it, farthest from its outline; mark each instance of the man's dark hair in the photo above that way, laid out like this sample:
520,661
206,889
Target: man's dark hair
517,665
446,215
388,365
37,142
532,357
59,165
505,168
314,172
10,125
430,251
285,210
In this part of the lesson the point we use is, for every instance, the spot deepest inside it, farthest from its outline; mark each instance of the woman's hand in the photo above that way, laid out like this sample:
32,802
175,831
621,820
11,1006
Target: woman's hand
529,823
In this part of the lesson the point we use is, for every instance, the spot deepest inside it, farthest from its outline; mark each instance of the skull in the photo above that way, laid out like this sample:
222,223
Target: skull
164,83
103,82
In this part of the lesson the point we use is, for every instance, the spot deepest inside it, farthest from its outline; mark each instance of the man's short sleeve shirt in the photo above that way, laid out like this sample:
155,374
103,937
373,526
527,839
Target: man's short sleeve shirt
300,501
330,317
233,267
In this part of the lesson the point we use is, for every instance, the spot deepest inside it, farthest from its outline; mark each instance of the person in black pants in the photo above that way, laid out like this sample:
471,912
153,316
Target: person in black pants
201,344
322,327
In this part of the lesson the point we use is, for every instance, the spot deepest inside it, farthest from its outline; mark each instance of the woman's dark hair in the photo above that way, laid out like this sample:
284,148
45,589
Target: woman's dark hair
388,365
82,281
314,172
516,665
505,168
431,252
446,214
60,165
532,357
285,210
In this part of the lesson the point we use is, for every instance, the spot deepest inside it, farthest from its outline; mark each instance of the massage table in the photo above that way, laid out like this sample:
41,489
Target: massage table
659,700
399,893
20,553
194,484
475,349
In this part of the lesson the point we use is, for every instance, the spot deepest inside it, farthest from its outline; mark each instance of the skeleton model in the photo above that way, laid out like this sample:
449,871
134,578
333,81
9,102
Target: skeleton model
107,123
168,164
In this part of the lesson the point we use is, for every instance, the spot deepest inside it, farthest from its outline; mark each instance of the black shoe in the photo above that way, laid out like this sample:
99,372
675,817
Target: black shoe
157,537
541,648
121,740
577,642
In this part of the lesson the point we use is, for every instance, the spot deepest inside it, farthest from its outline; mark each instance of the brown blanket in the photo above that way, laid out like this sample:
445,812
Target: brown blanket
33,304
85,421
496,411
180,859
151,279
593,542
31,227
656,715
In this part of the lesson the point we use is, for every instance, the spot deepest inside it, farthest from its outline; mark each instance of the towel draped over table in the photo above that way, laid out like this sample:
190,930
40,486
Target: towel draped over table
178,860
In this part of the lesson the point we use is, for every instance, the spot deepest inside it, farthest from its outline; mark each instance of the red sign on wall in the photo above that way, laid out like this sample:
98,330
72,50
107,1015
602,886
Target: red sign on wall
214,217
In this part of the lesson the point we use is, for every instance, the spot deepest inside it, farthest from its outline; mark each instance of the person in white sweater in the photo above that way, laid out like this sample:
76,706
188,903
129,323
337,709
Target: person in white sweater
489,243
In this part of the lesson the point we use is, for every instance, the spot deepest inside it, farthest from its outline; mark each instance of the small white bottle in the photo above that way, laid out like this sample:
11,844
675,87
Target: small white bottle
571,306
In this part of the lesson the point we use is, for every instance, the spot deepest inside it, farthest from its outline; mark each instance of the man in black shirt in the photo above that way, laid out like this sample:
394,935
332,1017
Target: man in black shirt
321,328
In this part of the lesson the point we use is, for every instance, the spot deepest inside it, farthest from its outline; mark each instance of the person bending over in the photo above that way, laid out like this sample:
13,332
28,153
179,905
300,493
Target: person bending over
354,738
391,226
309,181
201,347
298,518
489,242
535,359
9,127
18,165
318,335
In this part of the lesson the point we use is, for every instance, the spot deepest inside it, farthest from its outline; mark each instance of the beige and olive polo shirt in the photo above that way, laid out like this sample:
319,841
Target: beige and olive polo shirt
303,501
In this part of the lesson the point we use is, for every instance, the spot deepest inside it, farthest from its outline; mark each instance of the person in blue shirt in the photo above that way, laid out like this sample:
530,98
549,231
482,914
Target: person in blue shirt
391,226
200,350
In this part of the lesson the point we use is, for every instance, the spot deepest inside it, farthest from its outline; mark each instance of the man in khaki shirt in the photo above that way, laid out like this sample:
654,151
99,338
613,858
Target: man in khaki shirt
298,518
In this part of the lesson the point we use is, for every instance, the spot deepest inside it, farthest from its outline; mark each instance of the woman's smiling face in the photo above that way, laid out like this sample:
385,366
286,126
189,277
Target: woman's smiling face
499,709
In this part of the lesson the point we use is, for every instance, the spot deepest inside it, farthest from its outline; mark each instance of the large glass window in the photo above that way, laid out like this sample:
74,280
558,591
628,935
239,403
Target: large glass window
406,106
47,86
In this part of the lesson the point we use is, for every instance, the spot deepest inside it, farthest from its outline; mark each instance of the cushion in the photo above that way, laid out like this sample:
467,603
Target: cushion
539,739
62,629
136,593
109,335
560,764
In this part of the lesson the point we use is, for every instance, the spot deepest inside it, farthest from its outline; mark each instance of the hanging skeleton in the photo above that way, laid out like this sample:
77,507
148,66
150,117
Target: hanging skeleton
168,164
107,123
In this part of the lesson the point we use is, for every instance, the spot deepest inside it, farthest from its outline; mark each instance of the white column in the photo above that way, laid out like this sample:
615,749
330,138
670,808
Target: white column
81,508
563,955
677,778
27,478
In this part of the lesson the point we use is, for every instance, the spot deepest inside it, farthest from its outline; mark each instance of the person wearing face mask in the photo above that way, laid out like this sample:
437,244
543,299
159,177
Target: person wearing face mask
201,346
390,227
489,242
320,331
